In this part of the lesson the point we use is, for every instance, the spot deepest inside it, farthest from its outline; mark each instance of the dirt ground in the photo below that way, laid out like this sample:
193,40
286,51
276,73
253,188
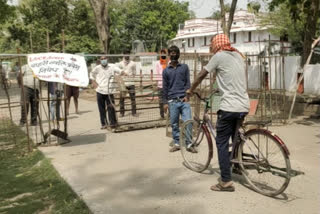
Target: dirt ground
133,172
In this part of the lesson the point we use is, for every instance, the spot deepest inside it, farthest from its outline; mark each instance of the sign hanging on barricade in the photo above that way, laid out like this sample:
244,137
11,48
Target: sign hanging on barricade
60,67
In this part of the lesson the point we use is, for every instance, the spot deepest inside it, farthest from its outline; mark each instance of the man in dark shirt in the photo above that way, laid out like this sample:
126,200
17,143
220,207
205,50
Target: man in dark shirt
175,82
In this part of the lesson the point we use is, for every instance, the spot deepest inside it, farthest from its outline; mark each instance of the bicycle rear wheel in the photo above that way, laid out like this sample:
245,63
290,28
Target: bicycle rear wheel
197,136
264,162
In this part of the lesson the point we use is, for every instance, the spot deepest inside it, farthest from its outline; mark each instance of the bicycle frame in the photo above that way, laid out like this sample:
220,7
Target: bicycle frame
205,120
207,124
249,155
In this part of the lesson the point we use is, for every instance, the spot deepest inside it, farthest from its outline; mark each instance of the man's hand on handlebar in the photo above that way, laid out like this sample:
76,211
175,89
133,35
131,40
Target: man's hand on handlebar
189,93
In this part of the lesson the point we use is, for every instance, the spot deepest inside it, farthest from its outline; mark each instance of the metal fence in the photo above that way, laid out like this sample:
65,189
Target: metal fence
266,87
26,107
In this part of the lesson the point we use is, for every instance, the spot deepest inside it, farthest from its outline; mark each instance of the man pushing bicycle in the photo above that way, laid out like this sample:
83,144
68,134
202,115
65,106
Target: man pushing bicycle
228,68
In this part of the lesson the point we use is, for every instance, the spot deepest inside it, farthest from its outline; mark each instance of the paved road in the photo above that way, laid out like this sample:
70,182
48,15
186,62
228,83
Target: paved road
133,172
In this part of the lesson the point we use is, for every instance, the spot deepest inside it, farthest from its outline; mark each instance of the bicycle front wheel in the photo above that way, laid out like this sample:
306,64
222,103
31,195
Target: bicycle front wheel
264,162
196,146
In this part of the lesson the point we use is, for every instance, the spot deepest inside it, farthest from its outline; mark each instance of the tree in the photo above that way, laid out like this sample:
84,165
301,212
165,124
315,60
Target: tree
153,22
306,12
311,29
227,26
253,7
279,22
6,11
81,33
7,15
100,8
36,18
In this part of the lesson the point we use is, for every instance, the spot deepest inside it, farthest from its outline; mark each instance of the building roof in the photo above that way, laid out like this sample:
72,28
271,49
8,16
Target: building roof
242,21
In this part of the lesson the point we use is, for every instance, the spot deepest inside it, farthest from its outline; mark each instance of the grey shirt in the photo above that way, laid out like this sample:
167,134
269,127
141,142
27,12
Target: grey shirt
230,73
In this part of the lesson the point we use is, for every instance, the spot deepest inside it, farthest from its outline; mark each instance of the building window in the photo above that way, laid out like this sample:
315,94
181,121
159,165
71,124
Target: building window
191,42
183,43
235,38
205,41
249,36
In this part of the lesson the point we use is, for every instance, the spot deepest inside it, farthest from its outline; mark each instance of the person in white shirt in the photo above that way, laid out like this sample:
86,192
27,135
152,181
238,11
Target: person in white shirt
5,70
128,69
105,86
31,95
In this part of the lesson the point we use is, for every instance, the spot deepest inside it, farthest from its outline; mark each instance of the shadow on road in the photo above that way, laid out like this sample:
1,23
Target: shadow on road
308,121
80,140
143,191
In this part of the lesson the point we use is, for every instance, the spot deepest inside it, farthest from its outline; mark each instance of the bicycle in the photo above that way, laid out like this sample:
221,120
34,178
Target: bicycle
257,154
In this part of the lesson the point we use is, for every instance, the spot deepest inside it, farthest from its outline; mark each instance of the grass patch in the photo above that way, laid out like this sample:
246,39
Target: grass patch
28,181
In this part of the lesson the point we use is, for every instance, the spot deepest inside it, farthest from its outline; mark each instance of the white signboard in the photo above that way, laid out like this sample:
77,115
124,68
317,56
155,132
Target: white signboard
58,67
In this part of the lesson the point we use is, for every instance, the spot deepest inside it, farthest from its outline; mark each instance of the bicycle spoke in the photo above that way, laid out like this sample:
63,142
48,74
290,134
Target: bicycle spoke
265,166
195,147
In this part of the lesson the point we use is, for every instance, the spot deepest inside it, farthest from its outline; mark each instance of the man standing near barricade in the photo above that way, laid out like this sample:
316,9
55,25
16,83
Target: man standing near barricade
72,91
128,72
31,95
105,86
227,66
176,81
56,92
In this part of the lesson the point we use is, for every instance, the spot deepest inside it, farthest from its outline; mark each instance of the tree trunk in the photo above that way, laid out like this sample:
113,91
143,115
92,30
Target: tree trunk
227,27
231,13
223,17
310,30
100,9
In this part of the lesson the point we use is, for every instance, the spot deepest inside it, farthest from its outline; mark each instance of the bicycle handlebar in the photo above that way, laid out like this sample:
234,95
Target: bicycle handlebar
204,99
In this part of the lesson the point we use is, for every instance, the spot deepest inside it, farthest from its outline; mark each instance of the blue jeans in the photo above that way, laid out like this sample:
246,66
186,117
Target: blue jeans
226,128
55,104
176,109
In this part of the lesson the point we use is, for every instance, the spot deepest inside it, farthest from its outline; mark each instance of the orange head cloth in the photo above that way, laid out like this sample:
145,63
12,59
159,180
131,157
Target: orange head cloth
222,43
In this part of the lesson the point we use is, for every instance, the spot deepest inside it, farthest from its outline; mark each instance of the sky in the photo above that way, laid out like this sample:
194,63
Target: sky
204,8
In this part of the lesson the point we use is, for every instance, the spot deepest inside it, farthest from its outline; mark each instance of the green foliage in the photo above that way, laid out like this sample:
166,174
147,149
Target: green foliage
289,18
6,11
152,21
81,34
280,23
7,15
253,7
36,17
